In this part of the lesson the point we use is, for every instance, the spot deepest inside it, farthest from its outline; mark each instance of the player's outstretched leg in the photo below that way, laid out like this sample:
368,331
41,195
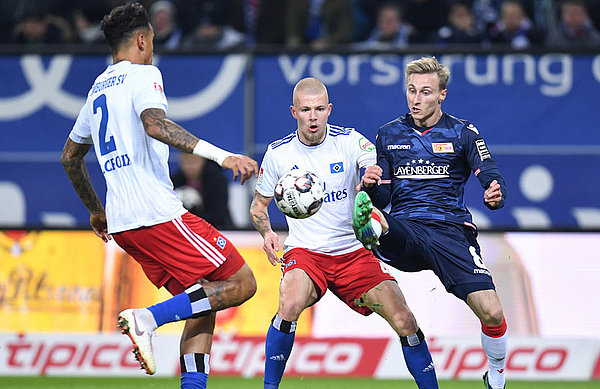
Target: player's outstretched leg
139,325
361,221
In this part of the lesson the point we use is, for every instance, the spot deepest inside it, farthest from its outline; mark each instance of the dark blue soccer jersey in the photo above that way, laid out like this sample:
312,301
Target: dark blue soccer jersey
425,170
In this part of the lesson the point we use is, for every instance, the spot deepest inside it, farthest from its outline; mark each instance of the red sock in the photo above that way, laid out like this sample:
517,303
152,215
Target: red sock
494,331
375,216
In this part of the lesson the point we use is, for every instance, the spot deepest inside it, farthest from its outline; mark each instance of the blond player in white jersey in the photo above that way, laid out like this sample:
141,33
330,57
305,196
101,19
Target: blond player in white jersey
321,252
124,119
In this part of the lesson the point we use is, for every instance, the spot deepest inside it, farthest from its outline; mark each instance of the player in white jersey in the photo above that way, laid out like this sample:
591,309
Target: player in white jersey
124,118
321,251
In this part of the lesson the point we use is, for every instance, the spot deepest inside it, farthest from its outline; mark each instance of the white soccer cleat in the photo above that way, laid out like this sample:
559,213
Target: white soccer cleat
136,324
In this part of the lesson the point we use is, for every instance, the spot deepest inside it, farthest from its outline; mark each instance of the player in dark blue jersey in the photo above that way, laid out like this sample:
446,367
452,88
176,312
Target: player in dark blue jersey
423,162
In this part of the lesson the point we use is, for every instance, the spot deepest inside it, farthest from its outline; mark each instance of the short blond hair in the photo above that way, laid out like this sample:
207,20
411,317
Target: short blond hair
309,86
428,65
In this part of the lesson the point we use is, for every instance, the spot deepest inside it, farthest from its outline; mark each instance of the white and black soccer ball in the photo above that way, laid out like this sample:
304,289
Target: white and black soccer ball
299,194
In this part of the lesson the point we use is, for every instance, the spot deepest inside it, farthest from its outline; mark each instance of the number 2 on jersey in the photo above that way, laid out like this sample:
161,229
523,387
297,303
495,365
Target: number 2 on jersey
106,146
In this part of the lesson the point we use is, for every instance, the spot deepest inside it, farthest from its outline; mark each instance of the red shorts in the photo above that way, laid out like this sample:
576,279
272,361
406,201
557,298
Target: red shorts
348,276
177,253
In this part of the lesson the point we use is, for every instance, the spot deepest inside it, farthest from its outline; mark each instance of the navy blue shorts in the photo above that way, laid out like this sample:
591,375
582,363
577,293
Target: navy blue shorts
449,249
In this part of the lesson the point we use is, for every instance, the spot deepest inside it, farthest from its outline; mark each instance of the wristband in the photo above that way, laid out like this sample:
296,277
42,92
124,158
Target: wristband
210,151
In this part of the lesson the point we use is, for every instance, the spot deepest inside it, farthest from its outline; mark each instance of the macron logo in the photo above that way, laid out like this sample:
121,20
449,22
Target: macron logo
279,358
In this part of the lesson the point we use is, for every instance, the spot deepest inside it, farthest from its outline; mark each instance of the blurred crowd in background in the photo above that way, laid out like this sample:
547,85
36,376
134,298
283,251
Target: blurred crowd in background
315,24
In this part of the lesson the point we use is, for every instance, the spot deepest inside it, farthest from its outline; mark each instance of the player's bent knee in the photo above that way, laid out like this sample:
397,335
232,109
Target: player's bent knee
290,308
244,283
493,317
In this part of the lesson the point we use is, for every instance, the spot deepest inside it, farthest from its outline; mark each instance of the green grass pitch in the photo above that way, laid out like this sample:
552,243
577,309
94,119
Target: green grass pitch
288,383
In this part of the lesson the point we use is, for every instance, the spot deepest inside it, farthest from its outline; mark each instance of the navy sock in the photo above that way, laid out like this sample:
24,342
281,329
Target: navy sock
418,360
191,303
278,347
194,370
194,380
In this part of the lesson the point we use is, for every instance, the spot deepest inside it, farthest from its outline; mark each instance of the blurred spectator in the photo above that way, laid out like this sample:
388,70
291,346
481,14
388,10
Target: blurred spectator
203,188
486,13
8,10
35,28
461,26
320,23
263,21
163,19
86,21
390,32
210,29
426,17
594,12
514,27
575,27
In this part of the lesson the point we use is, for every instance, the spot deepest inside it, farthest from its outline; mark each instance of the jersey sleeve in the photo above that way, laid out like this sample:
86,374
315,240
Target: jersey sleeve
82,132
268,175
480,160
380,194
364,150
148,90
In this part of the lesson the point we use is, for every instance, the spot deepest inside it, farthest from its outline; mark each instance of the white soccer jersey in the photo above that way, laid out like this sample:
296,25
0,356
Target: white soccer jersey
337,162
135,165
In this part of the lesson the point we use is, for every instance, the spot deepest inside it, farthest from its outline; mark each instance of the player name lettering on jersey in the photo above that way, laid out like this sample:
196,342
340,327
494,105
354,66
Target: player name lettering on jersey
334,195
422,172
112,81
117,162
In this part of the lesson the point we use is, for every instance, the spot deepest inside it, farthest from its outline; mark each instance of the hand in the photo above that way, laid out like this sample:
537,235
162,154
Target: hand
371,177
99,225
271,246
240,164
493,195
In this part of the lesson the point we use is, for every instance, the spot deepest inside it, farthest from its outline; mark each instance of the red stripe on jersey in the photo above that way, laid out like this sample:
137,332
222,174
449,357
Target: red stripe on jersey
477,172
384,182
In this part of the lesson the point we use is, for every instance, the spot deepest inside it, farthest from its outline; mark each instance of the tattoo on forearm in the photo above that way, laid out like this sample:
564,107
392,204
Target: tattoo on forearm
72,161
260,217
167,131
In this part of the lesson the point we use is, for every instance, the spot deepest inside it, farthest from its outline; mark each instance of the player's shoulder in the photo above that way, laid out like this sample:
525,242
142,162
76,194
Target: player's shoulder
144,70
400,123
460,125
282,142
340,131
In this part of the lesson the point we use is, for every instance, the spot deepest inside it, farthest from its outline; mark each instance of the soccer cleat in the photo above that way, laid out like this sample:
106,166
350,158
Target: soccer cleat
361,221
486,383
132,324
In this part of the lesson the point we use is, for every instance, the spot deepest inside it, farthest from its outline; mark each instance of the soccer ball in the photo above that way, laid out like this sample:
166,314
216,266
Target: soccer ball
299,194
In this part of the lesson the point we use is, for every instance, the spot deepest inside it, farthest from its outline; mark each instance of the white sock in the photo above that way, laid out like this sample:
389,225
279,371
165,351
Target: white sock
376,227
495,349
147,317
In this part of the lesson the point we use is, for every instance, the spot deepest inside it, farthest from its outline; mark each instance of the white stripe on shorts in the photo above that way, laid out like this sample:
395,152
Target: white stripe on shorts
203,241
212,258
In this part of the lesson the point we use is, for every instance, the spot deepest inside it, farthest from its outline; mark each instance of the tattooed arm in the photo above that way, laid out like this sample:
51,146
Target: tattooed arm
167,131
72,161
260,219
